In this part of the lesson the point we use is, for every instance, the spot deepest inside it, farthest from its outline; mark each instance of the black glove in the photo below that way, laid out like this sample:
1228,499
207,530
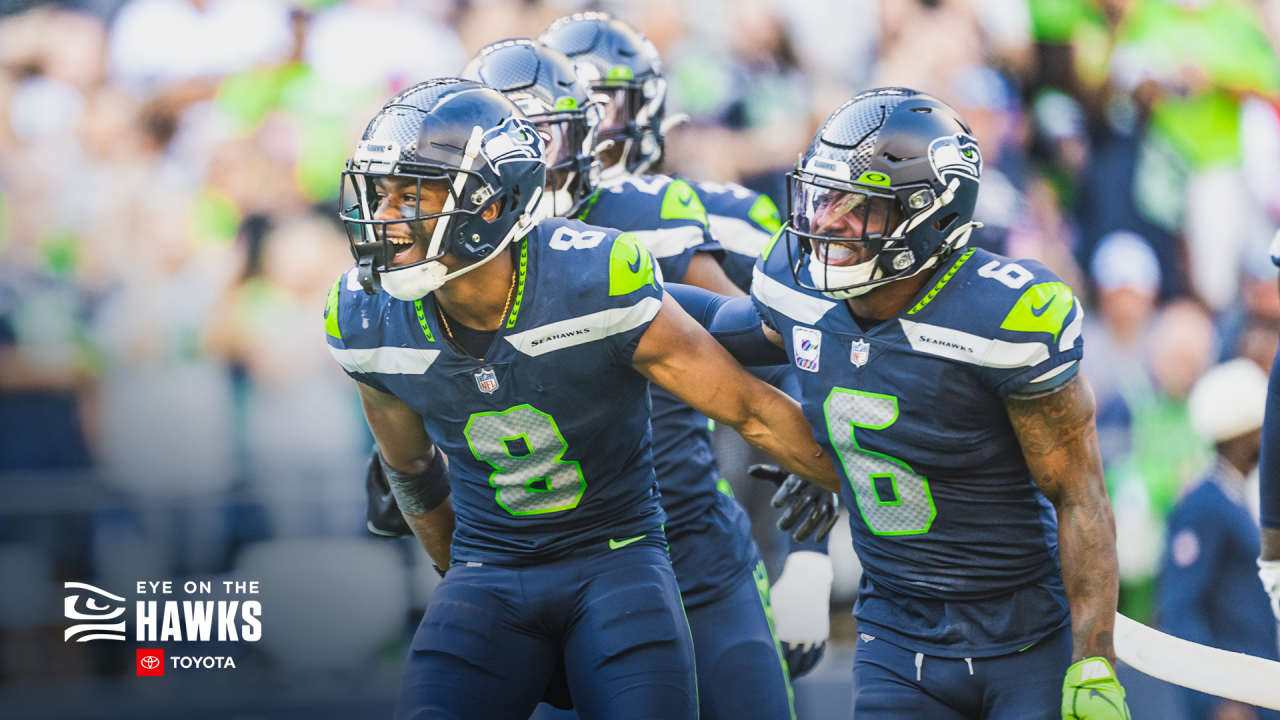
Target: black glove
382,516
799,499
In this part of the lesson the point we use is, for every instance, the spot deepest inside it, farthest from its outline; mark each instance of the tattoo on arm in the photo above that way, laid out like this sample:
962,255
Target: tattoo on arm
1060,445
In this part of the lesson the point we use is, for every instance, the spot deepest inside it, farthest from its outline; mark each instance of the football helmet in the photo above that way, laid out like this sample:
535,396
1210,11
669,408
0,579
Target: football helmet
455,139
544,84
625,73
893,171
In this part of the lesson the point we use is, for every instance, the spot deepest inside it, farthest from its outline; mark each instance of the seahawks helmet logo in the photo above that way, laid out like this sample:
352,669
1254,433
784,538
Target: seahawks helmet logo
955,155
515,140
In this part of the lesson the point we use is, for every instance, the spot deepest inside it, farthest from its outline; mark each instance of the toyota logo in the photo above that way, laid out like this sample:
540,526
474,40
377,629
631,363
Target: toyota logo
150,662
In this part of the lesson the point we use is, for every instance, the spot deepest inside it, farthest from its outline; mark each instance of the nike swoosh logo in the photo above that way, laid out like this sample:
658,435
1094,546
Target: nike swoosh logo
1038,311
635,266
686,200
1094,693
615,544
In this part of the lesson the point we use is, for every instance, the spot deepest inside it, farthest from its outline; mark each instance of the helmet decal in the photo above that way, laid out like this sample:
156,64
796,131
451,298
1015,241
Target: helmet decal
955,155
515,140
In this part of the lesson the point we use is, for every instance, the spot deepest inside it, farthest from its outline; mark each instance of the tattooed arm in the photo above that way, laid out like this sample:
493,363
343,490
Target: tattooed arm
1060,444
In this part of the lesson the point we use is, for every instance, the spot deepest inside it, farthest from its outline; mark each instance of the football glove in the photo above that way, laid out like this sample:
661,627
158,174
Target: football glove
808,508
1091,691
801,600
1269,571
382,516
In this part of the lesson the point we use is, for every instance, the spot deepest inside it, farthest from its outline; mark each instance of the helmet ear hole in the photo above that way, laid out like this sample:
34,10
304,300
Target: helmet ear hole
944,223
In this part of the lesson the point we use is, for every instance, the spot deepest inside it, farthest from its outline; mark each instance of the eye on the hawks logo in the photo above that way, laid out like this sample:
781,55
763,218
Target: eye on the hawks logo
515,140
150,661
955,155
98,605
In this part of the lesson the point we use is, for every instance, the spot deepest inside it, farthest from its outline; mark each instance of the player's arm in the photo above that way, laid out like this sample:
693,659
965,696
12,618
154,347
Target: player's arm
734,323
1059,441
677,354
411,456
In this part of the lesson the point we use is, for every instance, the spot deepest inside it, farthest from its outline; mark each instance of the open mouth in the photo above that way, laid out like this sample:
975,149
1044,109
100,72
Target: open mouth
404,249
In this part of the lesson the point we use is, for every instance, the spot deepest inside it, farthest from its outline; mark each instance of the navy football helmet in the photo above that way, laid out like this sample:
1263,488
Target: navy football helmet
893,170
545,85
625,73
470,144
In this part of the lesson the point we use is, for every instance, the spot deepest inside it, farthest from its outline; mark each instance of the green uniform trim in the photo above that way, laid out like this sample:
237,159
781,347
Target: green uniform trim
768,247
331,311
422,319
595,197
524,269
765,214
723,486
941,283
680,202
1042,308
630,266
762,586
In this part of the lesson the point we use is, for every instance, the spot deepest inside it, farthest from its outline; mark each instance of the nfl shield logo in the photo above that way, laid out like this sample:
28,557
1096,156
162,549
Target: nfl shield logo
486,380
859,353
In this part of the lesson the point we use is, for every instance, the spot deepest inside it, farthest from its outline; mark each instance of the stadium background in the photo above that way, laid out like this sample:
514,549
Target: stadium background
167,179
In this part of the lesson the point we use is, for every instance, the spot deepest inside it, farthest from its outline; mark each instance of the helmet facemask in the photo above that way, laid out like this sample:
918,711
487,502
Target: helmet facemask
573,173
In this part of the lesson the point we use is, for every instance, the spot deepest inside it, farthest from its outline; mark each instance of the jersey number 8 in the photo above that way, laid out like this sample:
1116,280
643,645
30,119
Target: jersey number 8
525,448
893,499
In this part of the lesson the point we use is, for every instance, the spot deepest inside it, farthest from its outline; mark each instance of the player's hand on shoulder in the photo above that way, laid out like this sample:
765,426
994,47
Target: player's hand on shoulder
809,509
1091,691
801,602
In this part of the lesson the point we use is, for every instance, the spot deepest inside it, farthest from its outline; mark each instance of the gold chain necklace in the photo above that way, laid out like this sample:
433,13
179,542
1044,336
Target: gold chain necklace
510,291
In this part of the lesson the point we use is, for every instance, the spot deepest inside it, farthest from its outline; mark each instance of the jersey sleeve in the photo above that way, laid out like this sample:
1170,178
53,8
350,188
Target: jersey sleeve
341,302
1033,341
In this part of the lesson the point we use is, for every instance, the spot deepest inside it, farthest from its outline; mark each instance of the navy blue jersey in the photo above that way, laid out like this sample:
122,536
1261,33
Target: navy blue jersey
663,212
548,437
1208,590
958,546
742,222
709,532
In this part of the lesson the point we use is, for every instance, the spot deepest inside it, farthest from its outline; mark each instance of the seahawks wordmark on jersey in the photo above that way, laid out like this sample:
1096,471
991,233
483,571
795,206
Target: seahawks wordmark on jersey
958,546
548,436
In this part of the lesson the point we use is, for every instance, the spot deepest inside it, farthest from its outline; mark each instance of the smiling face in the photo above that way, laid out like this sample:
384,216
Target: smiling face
852,215
402,198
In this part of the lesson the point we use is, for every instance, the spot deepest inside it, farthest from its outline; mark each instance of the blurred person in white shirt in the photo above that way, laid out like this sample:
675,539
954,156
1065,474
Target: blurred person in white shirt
389,42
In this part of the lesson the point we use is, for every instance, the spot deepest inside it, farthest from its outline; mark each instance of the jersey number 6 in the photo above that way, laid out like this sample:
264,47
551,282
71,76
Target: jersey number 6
893,499
525,448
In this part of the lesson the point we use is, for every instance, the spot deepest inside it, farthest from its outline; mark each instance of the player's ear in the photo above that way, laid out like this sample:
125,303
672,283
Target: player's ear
492,212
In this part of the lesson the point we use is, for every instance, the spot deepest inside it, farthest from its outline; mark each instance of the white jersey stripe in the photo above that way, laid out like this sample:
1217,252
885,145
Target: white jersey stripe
788,301
670,242
588,328
962,346
737,235
385,360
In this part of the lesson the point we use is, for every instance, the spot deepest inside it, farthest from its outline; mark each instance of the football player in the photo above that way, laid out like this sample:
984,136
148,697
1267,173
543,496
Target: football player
719,570
946,381
503,365
1269,478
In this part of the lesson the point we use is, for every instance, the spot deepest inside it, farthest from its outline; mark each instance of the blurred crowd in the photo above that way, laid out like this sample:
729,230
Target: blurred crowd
168,180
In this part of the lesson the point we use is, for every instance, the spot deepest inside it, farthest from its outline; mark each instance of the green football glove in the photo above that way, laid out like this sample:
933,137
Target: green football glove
1090,691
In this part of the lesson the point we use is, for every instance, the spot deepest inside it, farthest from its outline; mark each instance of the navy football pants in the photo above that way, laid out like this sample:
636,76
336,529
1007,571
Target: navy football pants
492,637
741,673
1024,685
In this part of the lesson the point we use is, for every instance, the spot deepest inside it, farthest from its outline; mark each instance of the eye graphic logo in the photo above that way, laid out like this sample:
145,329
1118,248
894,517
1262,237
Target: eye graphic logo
515,140
955,155
150,661
98,611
